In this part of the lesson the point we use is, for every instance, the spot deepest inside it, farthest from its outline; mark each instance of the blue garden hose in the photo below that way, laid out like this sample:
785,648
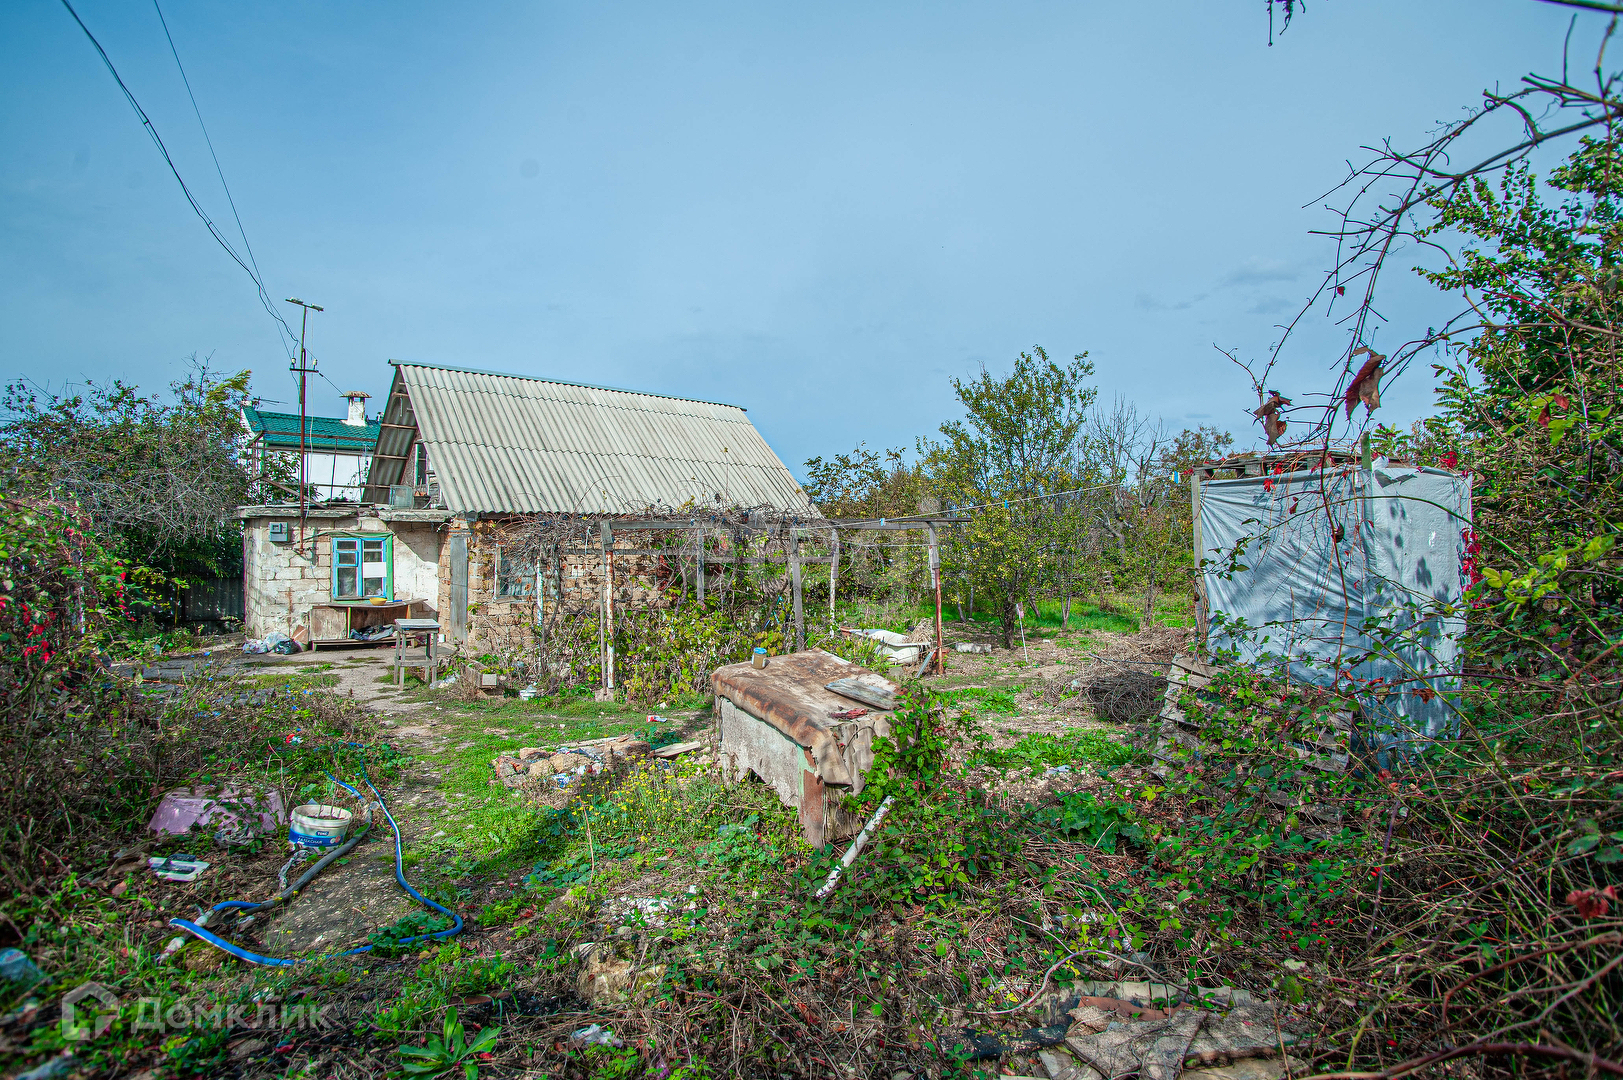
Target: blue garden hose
399,875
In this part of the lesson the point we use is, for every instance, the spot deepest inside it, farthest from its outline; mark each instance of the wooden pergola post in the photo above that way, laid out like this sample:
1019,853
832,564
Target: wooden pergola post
935,579
794,576
701,566
833,573
605,636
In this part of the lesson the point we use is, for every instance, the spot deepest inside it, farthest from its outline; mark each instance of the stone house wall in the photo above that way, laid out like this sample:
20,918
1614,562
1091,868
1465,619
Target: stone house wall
281,582
499,624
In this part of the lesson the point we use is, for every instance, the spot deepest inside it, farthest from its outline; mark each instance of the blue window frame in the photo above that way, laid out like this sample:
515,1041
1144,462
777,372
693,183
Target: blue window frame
362,567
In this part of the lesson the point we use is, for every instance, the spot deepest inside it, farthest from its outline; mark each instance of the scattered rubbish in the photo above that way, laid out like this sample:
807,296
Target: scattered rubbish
298,856
256,646
893,646
179,810
597,1035
569,761
758,658
279,642
676,748
648,910
318,825
1121,1031
373,633
606,975
16,968
178,868
924,665
984,1045
972,647
1057,770
176,944
238,835
848,714
529,693
659,719
510,771
22,1014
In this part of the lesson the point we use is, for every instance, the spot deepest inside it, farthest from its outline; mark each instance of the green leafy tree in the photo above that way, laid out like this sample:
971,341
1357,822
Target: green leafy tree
1533,401
158,478
1015,448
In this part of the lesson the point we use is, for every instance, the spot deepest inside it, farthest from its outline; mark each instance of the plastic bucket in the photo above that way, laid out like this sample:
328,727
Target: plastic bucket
318,825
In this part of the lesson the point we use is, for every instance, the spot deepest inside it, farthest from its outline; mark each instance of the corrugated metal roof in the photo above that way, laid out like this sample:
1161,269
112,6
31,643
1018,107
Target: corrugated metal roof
510,444
323,434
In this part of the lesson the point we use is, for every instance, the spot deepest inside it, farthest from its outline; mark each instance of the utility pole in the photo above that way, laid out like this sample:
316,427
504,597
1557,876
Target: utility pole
304,370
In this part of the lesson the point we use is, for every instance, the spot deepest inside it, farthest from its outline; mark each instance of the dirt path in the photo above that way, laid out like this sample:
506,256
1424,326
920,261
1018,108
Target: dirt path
350,900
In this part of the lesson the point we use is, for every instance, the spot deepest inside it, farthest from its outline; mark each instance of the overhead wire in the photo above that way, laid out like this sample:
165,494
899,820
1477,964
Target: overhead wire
264,298
152,131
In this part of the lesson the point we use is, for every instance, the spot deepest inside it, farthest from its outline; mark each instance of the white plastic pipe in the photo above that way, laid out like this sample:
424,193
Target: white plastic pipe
855,849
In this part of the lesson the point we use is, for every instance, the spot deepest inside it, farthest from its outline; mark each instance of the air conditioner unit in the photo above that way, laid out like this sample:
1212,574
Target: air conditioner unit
279,532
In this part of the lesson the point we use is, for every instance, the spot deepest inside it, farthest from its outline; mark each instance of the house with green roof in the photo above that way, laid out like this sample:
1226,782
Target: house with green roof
337,451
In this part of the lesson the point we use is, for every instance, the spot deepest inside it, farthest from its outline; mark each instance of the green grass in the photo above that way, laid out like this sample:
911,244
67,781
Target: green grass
490,830
1118,613
1083,746
983,701
1083,617
305,678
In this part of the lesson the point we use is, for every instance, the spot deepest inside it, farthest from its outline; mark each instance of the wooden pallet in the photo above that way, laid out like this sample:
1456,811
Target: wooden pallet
1324,751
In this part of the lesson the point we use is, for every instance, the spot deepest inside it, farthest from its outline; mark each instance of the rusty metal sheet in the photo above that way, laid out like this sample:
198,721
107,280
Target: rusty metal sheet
790,694
750,745
813,808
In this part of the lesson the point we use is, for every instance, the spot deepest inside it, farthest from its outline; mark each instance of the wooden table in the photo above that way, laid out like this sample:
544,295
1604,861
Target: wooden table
330,624
429,631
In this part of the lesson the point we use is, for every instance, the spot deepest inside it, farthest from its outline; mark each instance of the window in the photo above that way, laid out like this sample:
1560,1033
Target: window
515,578
361,567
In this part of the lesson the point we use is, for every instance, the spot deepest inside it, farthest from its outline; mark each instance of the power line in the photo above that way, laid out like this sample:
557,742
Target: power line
249,248
152,131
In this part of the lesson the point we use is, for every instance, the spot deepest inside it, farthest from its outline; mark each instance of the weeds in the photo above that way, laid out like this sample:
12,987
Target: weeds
450,1050
1080,746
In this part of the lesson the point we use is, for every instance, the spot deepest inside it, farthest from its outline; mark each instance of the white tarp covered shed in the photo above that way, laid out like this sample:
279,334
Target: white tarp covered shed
1344,569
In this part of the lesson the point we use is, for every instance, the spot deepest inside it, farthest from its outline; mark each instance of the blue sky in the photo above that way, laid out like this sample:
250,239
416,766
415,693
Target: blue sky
820,212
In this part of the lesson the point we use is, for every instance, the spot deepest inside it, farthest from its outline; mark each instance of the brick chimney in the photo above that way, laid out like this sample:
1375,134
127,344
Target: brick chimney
357,407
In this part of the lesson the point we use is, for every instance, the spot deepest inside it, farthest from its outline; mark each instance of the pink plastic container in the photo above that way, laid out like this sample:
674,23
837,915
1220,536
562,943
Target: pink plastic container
179,810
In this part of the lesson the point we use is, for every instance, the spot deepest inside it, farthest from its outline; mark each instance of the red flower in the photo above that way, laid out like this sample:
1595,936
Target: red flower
1592,903
1450,460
